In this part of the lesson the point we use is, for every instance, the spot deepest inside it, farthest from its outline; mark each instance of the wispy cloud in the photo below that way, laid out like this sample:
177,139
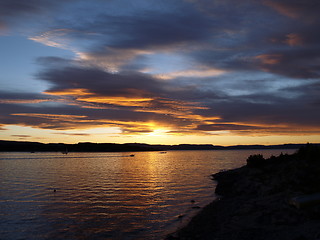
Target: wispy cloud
54,38
21,135
248,67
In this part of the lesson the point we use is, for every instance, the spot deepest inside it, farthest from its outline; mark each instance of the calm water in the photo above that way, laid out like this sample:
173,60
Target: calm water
107,195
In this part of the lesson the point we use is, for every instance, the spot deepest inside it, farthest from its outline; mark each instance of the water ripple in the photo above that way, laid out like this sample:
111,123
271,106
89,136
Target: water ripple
106,195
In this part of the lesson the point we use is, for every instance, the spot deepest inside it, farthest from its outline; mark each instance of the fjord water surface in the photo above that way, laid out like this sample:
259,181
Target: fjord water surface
107,195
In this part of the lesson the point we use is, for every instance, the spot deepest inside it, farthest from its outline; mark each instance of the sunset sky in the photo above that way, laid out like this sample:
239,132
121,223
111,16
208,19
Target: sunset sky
222,72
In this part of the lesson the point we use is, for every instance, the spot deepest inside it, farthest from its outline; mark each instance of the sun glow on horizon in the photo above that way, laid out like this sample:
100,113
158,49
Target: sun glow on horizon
156,136
158,132
179,72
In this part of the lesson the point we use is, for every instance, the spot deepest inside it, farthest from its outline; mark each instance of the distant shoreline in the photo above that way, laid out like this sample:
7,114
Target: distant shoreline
20,146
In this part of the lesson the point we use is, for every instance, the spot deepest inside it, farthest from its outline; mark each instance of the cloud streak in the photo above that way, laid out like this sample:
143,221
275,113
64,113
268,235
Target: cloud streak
193,66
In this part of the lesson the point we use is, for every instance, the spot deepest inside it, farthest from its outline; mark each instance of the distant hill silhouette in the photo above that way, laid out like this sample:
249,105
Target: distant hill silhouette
20,146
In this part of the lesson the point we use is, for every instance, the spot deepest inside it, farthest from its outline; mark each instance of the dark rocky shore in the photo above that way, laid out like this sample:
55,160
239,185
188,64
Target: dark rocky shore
268,199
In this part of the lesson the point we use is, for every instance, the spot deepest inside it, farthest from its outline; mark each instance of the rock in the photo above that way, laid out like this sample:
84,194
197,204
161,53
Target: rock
253,201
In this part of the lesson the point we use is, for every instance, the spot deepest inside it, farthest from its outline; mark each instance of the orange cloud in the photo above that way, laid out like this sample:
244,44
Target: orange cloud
253,129
283,9
70,92
194,125
269,59
60,121
177,109
294,39
50,116
306,11
84,95
207,72
120,101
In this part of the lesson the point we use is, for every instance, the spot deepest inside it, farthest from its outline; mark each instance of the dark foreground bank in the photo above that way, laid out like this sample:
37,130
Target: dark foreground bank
268,199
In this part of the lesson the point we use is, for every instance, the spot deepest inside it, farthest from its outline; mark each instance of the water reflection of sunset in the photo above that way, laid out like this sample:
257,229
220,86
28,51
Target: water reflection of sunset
106,195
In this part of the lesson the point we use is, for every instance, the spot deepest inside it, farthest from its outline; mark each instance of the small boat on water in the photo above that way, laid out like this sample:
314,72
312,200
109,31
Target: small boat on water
163,152
132,155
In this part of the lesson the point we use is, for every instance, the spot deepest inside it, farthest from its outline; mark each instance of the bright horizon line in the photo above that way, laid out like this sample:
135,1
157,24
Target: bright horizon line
276,144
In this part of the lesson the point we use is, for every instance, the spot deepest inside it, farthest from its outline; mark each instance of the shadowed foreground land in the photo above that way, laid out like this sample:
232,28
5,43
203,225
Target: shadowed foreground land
257,201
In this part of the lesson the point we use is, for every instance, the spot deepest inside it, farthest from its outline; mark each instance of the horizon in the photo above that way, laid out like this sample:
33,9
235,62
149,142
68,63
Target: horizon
160,72
143,143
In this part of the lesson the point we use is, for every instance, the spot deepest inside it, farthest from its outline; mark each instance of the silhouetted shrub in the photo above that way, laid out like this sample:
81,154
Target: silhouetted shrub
309,152
256,160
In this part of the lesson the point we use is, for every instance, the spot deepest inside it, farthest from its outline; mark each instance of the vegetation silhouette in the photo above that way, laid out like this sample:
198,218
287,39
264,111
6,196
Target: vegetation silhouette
273,198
